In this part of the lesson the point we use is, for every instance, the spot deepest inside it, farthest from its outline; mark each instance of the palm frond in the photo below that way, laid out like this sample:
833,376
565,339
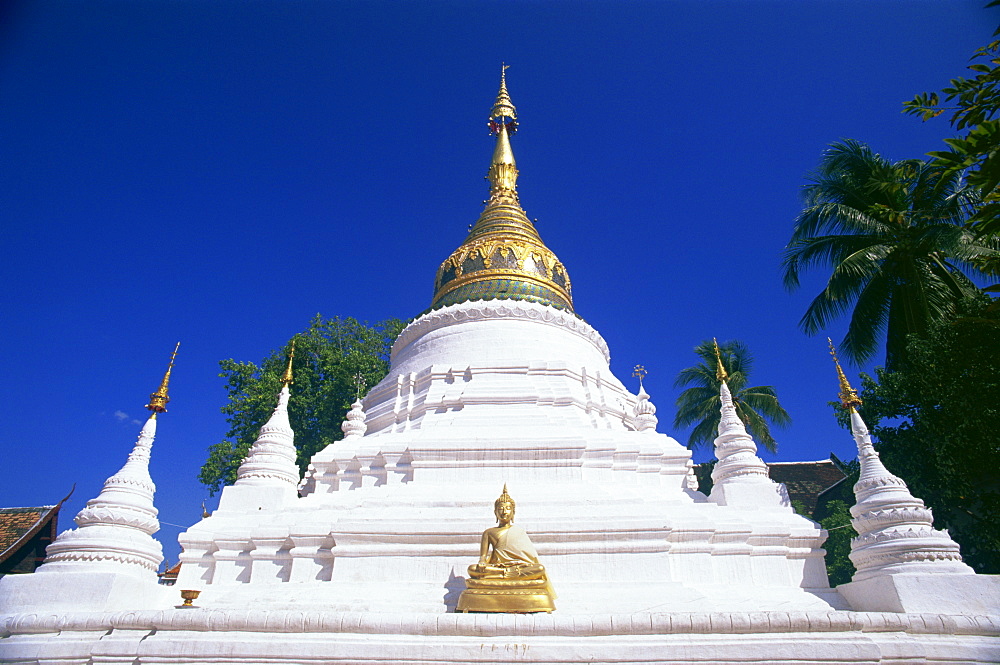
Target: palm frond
893,236
700,403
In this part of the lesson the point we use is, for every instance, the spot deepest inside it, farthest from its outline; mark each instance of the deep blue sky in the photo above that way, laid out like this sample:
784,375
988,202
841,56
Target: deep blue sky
219,172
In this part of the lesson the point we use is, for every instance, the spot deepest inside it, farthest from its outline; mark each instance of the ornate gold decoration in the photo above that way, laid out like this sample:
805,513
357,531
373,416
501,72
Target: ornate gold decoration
286,378
503,257
720,370
189,596
158,400
640,373
848,395
508,577
503,106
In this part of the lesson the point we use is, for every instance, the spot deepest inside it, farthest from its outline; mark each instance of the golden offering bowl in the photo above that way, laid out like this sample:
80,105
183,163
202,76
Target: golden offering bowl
189,596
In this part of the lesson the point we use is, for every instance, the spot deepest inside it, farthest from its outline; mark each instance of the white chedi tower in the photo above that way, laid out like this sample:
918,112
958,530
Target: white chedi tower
501,382
498,384
268,477
903,564
740,477
116,527
110,559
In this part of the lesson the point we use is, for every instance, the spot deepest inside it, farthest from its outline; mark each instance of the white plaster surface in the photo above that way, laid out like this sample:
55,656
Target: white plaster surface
367,565
947,593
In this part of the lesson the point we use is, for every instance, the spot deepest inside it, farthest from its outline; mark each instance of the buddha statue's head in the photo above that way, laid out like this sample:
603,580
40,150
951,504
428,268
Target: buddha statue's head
503,507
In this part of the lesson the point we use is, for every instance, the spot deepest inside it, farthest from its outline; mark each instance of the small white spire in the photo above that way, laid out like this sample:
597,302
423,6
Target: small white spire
354,425
645,412
691,479
116,527
895,530
735,449
271,460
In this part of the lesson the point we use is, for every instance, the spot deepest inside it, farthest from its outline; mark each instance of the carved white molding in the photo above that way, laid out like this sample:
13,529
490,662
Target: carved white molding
271,459
503,309
895,529
116,526
735,449
257,620
645,412
354,425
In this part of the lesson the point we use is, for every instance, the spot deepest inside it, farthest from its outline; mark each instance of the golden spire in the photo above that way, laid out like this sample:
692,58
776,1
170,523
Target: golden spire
640,373
503,256
720,370
848,396
503,122
286,378
503,106
158,400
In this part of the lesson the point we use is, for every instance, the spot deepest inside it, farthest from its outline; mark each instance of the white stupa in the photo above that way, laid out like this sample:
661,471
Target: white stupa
109,561
500,382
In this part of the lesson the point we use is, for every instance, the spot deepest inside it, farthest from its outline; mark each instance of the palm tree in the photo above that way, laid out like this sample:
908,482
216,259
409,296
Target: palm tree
700,403
893,234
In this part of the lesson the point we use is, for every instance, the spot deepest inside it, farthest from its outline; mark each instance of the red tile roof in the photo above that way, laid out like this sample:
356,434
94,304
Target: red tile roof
18,524
30,528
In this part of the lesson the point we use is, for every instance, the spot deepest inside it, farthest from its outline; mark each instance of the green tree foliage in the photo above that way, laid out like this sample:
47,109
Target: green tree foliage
893,234
839,567
332,358
699,404
973,104
936,419
833,512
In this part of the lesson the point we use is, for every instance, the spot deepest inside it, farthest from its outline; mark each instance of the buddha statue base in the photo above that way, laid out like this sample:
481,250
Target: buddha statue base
498,595
508,577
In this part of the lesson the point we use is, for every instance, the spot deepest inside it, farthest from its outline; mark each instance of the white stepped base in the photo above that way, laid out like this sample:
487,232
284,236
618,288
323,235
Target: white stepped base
575,599
72,588
926,592
606,547
268,637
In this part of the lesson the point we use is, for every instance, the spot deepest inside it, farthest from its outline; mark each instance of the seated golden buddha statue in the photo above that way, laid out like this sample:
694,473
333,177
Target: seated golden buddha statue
508,577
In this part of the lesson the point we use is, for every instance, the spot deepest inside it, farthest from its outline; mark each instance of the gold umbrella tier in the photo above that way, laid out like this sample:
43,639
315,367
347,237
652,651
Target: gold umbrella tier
503,257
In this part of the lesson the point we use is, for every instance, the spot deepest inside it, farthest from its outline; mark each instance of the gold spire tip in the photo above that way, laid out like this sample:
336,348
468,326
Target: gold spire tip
158,400
720,370
848,395
286,378
640,373
503,107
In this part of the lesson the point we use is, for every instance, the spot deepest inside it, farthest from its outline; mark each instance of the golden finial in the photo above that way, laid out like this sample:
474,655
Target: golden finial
640,373
204,511
503,107
286,378
720,371
848,395
503,169
158,400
